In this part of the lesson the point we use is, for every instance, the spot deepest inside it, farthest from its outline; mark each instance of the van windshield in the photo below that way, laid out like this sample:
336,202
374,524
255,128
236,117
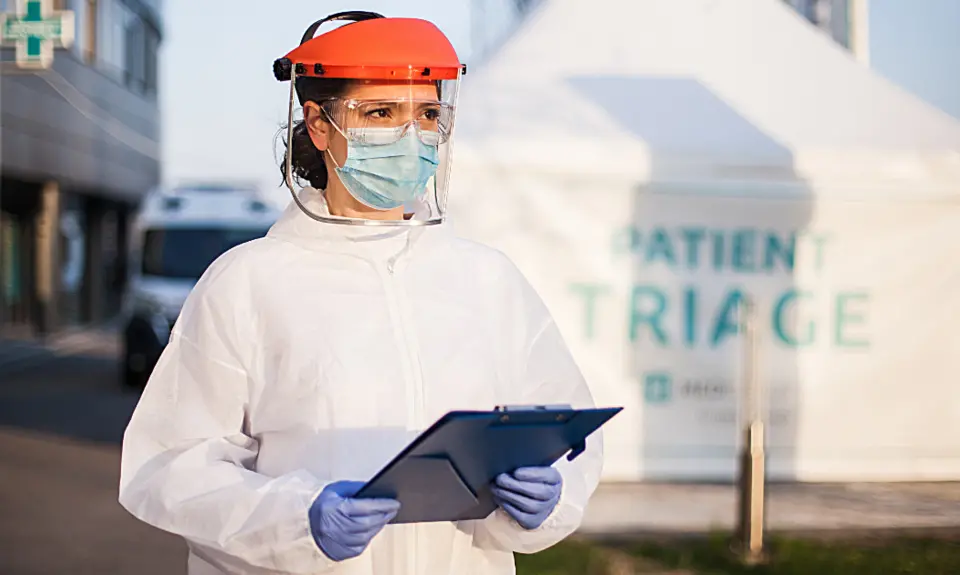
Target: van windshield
185,253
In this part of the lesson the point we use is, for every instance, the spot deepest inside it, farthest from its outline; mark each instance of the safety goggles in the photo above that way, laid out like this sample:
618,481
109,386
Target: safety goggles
383,122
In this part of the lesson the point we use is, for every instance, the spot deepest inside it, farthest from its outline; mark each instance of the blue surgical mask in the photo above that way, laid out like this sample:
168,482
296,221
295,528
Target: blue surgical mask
386,176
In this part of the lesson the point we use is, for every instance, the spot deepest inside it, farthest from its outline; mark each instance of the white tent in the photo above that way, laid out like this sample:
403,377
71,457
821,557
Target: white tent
651,164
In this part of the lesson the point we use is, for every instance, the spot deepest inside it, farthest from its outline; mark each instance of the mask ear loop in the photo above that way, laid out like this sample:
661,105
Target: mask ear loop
343,133
327,151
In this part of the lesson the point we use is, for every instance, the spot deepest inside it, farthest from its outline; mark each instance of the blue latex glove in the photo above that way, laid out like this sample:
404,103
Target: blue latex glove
343,526
529,494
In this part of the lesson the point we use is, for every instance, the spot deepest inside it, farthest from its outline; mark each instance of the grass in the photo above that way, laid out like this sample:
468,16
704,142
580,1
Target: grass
567,558
886,555
794,556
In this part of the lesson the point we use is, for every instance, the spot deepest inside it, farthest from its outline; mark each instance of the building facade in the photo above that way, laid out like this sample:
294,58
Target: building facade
831,16
80,148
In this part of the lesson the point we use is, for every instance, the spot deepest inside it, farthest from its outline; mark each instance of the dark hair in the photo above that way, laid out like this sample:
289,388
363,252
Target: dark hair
308,162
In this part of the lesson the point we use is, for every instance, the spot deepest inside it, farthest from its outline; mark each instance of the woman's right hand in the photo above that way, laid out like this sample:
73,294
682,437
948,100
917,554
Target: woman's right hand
343,526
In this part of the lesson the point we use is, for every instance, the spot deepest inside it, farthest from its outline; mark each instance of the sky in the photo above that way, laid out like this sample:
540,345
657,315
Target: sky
220,121
916,43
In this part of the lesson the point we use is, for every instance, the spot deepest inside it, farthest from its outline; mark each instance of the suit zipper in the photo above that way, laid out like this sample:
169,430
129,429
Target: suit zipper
414,381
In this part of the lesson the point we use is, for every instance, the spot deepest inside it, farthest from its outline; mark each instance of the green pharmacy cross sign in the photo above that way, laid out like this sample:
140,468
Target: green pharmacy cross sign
35,30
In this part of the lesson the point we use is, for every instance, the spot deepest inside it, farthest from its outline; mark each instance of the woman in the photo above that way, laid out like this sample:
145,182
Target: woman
304,361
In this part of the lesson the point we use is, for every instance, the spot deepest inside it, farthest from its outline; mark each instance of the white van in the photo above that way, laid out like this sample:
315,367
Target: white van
177,234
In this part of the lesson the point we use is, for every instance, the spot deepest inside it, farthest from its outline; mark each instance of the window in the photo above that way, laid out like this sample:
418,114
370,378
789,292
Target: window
112,20
127,45
151,65
186,253
134,62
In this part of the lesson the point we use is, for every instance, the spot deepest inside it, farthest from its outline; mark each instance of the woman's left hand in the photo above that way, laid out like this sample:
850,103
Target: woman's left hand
529,494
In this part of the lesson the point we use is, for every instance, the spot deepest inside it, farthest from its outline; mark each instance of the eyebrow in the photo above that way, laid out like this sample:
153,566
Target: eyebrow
392,105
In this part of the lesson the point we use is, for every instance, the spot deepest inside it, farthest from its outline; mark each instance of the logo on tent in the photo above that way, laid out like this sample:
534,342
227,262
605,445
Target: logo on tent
657,387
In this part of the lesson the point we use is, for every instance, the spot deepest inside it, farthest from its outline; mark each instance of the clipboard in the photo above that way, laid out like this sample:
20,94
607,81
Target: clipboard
446,473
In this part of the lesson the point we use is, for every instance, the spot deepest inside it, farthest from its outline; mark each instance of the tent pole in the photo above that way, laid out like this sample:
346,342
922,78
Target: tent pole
751,479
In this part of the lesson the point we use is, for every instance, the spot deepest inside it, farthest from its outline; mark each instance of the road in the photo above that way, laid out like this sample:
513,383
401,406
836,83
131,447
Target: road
61,422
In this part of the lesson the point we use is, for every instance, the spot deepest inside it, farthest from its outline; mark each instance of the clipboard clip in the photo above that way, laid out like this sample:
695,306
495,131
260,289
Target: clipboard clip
576,450
553,407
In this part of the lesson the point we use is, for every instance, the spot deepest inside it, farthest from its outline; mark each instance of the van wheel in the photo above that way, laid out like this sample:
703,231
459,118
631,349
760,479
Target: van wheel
133,378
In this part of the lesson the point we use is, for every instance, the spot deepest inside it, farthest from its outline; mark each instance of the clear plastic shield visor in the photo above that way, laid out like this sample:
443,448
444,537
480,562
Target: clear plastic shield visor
396,148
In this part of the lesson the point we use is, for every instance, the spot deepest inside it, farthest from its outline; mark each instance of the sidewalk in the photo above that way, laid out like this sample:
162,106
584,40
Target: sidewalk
17,355
695,508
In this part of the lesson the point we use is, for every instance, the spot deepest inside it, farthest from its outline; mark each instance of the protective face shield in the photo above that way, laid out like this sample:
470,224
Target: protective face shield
397,120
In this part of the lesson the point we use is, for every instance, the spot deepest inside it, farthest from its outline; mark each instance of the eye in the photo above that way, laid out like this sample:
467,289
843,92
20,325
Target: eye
378,113
432,114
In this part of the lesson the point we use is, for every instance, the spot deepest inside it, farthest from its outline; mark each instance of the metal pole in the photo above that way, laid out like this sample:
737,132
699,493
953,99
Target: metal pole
751,480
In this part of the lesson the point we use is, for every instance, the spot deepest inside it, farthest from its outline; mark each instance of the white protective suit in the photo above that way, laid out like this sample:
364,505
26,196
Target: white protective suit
315,355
